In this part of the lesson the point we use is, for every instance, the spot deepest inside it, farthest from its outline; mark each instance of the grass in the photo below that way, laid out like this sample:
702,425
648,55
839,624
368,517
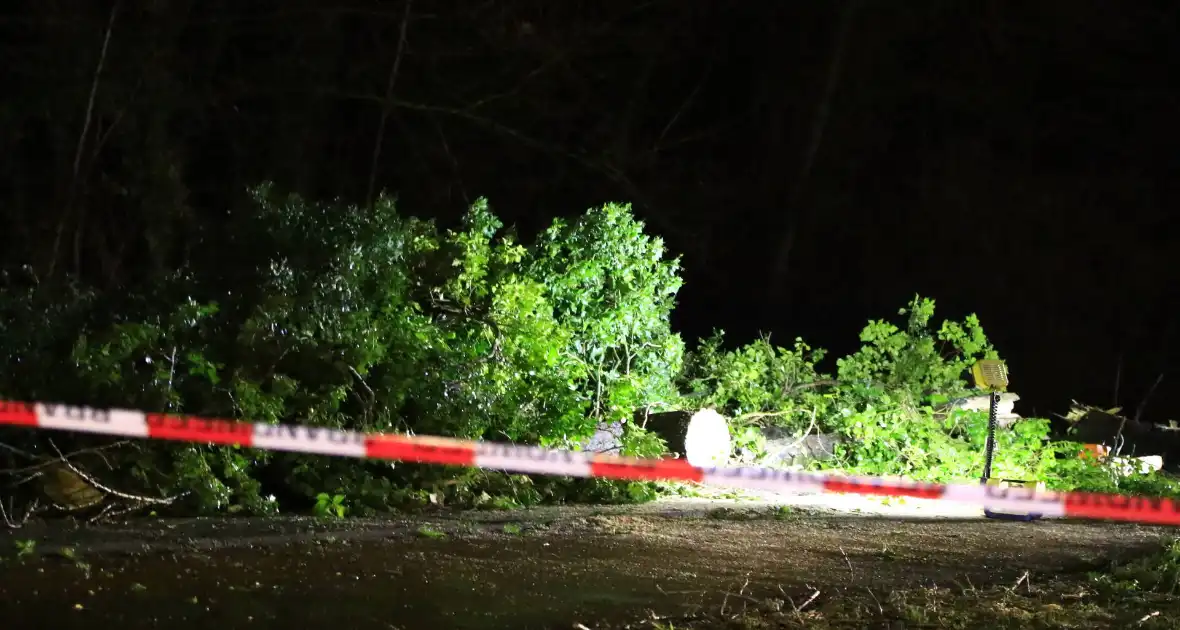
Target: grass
426,531
1143,594
1157,573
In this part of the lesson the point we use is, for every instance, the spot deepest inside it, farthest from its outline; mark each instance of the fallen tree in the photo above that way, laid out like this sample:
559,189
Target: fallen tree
1122,435
701,437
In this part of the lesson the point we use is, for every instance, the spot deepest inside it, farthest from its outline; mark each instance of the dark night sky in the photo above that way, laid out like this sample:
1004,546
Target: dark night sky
1012,159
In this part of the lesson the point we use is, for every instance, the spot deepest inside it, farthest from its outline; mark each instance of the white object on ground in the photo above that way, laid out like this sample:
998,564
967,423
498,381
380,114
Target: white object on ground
1127,466
707,441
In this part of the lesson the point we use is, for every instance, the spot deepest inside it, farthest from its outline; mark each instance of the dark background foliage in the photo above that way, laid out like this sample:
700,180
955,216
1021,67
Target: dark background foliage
816,163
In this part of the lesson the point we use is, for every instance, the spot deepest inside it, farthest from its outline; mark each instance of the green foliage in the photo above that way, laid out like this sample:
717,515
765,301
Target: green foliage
1073,470
335,316
928,445
887,402
610,284
330,505
757,380
916,362
25,548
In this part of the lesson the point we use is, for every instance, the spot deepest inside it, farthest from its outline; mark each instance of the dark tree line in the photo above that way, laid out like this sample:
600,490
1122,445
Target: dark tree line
815,162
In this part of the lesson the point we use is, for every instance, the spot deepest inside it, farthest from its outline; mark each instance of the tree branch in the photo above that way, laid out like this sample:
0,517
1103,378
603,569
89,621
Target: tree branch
686,104
94,483
73,191
781,267
386,105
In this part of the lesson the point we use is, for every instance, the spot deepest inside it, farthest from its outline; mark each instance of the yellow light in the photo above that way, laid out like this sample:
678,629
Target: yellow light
990,374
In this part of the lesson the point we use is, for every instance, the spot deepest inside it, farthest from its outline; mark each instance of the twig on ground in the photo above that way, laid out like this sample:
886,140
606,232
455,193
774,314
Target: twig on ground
1022,579
741,594
851,571
1148,616
790,601
20,522
880,608
693,608
663,592
4,516
745,598
808,602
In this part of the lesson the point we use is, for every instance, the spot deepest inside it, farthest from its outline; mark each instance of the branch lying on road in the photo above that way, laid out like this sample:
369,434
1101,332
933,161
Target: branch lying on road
93,482
75,476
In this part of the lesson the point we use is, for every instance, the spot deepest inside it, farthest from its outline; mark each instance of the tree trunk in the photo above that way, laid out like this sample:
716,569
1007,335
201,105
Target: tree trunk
702,438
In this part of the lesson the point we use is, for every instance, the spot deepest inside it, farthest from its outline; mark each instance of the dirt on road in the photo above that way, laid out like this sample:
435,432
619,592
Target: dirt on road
552,568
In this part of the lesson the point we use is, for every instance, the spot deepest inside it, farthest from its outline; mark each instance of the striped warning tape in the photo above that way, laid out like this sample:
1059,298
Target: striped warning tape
537,460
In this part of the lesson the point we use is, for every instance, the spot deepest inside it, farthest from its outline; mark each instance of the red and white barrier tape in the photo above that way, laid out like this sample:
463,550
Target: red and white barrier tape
536,460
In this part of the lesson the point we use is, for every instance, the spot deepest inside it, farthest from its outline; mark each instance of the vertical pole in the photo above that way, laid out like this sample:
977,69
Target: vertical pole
990,448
